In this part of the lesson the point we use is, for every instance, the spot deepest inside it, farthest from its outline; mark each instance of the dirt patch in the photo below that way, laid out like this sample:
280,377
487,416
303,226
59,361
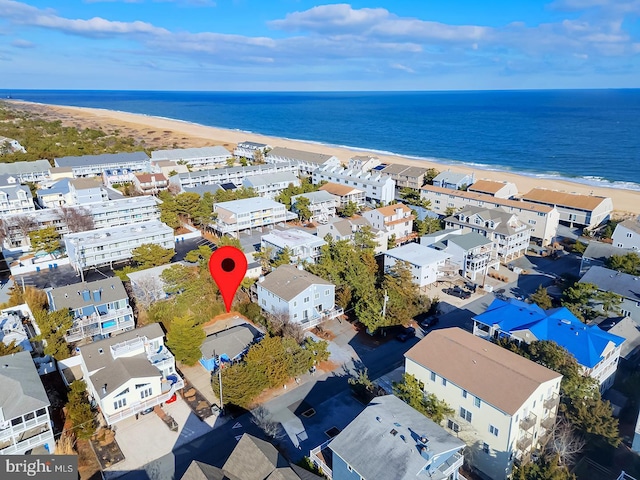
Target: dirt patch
106,448
327,366
196,401
323,333
88,465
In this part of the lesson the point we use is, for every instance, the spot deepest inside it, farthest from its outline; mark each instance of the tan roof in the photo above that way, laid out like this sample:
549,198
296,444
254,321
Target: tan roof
487,186
494,374
564,199
338,189
534,207
391,209
82,183
150,177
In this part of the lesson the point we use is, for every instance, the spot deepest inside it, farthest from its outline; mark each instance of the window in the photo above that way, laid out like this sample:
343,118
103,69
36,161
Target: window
629,235
316,296
485,447
444,382
464,394
476,402
145,393
493,430
433,376
465,414
451,425
326,292
306,300
122,402
349,468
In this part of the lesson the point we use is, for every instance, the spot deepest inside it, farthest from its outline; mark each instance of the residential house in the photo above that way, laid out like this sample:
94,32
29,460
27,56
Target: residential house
248,213
307,161
363,163
494,188
586,211
426,263
114,177
622,284
454,180
251,459
106,246
150,183
196,158
595,350
627,234
228,346
472,253
13,321
248,149
99,309
542,219
302,246
626,328
395,220
598,253
11,145
129,373
505,405
377,186
405,176
509,235
58,173
346,228
36,171
86,190
302,297
401,444
234,175
168,167
345,193
270,185
15,198
55,195
25,420
322,205
94,165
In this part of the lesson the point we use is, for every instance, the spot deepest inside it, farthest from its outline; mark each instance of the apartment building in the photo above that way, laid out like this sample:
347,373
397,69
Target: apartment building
542,219
509,235
100,309
196,158
395,220
595,350
248,149
426,263
270,185
25,419
622,284
302,246
346,229
504,404
129,373
494,188
322,205
249,213
150,183
235,175
106,246
453,180
377,186
586,211
345,193
94,165
37,171
15,199
406,177
307,161
627,234
363,162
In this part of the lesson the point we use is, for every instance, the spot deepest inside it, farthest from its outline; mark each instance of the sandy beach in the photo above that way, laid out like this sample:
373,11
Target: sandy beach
158,132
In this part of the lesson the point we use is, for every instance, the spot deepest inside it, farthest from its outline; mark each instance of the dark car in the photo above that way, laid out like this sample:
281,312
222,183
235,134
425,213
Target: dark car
457,292
406,334
429,322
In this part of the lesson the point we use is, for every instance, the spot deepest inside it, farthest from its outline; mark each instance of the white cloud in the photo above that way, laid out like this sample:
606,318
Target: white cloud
21,43
404,68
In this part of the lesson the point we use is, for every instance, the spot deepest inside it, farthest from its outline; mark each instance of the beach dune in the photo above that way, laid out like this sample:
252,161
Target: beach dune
157,132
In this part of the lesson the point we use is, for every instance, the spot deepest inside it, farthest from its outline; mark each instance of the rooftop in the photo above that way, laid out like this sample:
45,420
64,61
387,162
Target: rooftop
623,284
632,224
390,210
626,328
490,187
22,391
390,432
451,177
316,197
272,178
564,199
102,159
19,168
530,322
230,342
300,155
248,205
288,281
492,373
187,153
292,237
416,254
469,241
85,183
101,235
338,189
83,294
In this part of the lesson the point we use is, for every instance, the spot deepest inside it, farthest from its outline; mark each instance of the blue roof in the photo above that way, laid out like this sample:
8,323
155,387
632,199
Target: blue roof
61,186
586,343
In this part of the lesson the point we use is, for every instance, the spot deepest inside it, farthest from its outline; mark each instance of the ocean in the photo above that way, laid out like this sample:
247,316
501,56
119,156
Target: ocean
588,136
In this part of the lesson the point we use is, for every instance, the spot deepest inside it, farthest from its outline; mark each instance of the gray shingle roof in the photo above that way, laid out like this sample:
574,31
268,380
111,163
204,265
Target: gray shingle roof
623,284
18,168
22,391
120,371
231,342
301,155
102,159
202,471
468,241
111,289
253,459
371,447
287,281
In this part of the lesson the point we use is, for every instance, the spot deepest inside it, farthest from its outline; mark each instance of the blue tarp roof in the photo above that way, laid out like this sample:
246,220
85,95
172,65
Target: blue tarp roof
559,325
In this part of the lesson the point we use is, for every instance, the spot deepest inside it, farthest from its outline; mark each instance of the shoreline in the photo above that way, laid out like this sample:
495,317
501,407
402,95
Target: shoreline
186,134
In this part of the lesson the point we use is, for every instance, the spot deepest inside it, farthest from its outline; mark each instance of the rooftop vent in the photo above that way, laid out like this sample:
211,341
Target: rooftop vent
104,389
393,432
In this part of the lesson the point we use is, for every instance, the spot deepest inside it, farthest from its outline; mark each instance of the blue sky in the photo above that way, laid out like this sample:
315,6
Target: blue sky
276,45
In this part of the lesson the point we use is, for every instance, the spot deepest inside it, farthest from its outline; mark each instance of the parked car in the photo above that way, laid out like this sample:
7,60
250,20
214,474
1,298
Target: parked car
406,334
457,292
429,322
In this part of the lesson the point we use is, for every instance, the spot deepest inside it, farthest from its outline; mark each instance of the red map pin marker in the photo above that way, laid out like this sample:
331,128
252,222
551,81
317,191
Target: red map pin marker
228,266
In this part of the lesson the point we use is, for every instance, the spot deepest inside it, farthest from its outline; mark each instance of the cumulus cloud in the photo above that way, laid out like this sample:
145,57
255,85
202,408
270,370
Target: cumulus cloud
21,43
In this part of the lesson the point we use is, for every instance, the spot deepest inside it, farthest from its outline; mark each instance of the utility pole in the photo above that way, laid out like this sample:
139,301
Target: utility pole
384,304
220,380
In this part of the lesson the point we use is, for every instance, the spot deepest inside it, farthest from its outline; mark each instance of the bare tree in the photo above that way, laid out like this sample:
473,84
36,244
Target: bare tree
261,418
564,442
280,323
147,290
24,224
4,231
77,219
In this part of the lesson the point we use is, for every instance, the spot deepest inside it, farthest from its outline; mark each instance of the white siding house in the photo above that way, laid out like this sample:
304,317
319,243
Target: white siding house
426,263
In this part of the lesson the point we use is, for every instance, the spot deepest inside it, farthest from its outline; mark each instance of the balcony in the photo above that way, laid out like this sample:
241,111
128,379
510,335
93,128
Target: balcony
548,422
27,443
551,402
322,457
528,422
524,442
325,315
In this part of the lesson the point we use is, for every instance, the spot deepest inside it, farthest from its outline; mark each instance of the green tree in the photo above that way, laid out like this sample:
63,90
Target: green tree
184,339
348,210
411,391
264,257
391,241
199,255
365,239
226,240
8,349
430,175
543,469
594,417
203,215
579,247
282,258
188,205
53,328
578,298
627,263
541,298
301,207
46,239
168,210
151,255
402,294
79,410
